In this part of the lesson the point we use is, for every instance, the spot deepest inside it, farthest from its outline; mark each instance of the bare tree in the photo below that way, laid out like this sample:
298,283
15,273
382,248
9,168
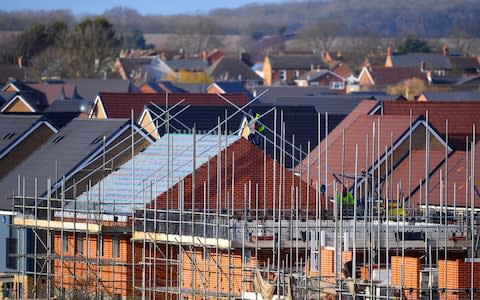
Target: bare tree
319,37
196,35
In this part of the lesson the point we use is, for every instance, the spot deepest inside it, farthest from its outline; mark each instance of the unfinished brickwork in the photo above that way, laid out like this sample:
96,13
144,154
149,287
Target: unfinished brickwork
454,279
411,275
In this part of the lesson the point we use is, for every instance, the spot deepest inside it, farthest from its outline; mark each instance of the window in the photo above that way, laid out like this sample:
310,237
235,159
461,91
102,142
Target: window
283,75
8,135
11,247
297,73
116,246
206,254
247,253
79,244
337,85
97,140
439,72
65,242
314,262
57,139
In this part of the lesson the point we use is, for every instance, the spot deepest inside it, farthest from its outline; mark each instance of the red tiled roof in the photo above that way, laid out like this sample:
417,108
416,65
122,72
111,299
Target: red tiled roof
400,174
389,76
363,108
391,128
456,176
246,162
460,115
119,105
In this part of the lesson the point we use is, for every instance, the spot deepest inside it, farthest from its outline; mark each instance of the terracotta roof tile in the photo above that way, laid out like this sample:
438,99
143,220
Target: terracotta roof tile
391,128
383,76
119,105
246,162
400,174
460,115
456,178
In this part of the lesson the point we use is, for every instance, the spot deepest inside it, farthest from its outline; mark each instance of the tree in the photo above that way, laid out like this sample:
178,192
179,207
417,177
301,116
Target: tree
410,88
135,40
196,35
411,45
87,51
320,36
93,46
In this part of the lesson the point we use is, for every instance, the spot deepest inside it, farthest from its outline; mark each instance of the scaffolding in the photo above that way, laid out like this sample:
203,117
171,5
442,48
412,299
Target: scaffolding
277,236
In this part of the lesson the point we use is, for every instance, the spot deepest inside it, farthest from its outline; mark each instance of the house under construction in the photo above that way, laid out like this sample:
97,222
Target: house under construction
385,206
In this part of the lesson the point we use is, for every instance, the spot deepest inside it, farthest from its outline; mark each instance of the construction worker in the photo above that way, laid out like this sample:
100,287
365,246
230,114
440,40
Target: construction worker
255,130
346,198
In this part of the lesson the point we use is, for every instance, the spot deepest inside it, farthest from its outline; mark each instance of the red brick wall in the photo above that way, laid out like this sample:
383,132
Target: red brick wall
81,272
157,272
327,261
201,273
290,74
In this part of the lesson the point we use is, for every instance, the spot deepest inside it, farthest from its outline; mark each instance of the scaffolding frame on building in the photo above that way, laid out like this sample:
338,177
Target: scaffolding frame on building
177,245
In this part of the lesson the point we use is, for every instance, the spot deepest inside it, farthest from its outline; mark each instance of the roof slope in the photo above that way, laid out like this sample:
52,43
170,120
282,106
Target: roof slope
452,96
455,189
417,168
459,123
244,166
432,61
300,123
61,153
89,88
387,76
12,126
54,91
193,64
464,63
233,87
359,130
119,105
229,68
297,62
150,169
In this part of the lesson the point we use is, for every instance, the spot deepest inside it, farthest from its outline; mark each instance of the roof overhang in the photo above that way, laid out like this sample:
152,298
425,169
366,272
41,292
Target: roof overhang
97,103
21,99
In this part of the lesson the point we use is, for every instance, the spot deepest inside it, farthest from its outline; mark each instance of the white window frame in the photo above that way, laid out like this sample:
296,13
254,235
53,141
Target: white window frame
283,75
337,85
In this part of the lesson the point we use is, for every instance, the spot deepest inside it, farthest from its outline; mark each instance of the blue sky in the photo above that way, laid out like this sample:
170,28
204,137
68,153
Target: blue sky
163,7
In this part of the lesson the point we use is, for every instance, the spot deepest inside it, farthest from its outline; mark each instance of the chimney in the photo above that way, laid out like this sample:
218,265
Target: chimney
389,50
429,77
204,55
20,62
445,49
422,66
